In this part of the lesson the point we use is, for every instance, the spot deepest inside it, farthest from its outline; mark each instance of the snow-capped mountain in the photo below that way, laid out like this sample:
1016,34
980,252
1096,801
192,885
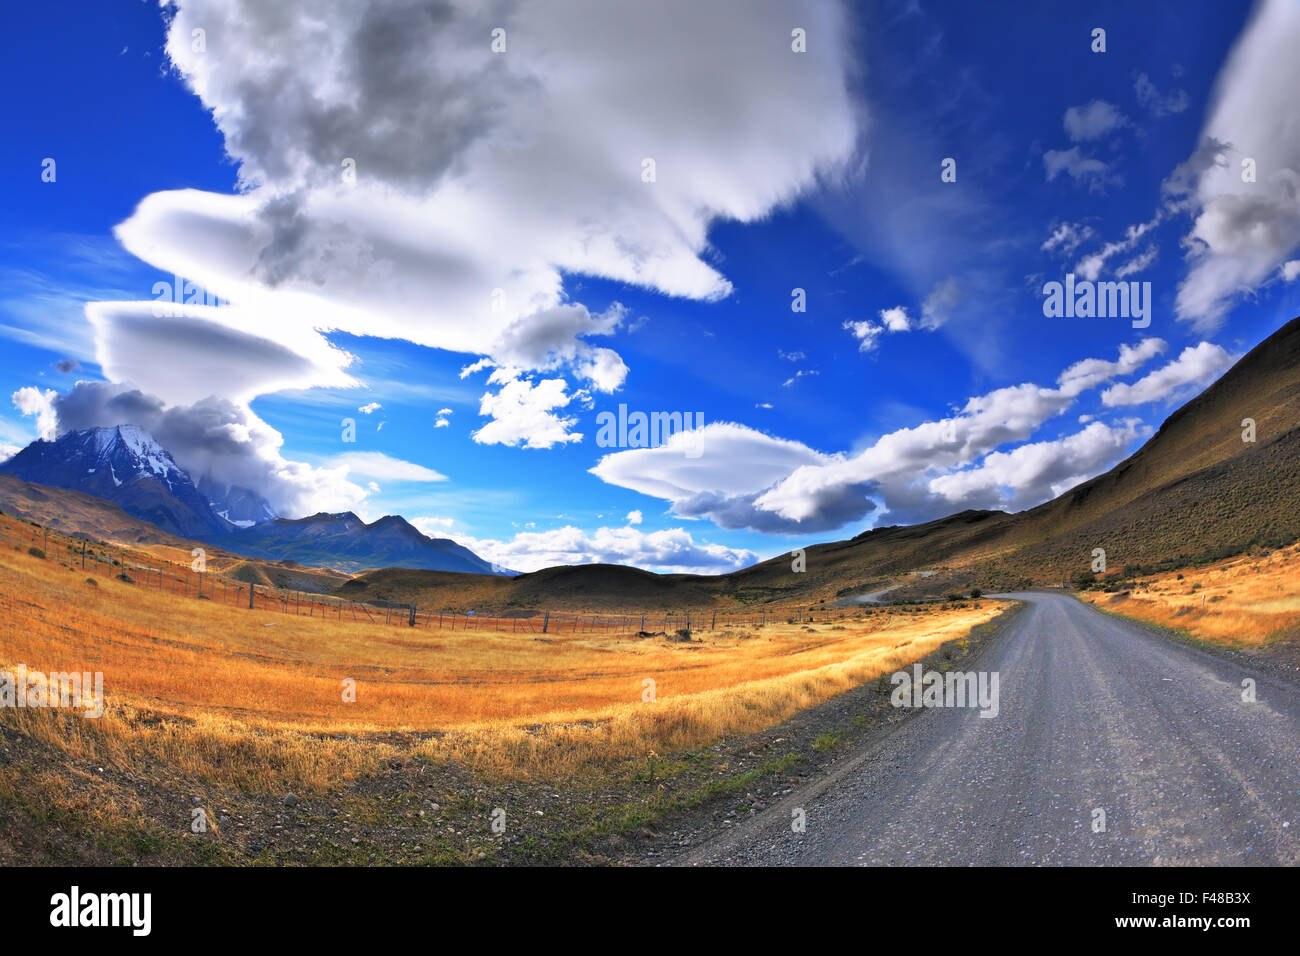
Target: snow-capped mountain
125,465
242,507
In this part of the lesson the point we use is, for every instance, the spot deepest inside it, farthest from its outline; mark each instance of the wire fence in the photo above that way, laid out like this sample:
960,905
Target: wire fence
114,561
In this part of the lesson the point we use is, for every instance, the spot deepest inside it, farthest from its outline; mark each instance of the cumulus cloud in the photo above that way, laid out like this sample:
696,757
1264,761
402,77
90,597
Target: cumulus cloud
406,181
746,479
369,407
672,550
1093,121
896,319
33,401
1037,471
1244,231
1197,366
634,517
524,412
865,331
1289,270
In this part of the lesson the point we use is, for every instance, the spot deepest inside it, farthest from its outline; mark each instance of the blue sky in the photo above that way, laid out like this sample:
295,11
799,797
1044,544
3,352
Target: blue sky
494,258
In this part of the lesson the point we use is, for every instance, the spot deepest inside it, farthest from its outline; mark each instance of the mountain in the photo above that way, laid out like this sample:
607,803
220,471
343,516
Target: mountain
345,542
122,464
242,507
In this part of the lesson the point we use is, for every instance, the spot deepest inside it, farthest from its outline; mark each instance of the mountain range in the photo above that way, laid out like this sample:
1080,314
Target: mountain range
124,465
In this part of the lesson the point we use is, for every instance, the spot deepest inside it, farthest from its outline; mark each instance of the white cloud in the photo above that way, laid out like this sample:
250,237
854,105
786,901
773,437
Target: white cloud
865,331
1138,263
1245,231
374,464
1289,270
1035,472
369,407
746,479
1198,365
803,373
1089,373
671,550
896,319
479,180
634,517
1093,121
433,526
942,302
524,413
33,401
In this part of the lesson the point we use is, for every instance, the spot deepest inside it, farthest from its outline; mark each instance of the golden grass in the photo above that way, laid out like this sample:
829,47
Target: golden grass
252,697
1245,601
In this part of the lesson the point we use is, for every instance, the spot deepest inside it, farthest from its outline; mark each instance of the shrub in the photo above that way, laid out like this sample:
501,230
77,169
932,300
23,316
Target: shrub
92,582
36,552
976,593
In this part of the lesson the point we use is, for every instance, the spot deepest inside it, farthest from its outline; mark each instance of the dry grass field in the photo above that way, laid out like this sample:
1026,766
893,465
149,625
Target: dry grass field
256,698
1248,601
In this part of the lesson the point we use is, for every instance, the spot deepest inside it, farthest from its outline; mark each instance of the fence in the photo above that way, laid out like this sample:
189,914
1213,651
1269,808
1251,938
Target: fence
115,561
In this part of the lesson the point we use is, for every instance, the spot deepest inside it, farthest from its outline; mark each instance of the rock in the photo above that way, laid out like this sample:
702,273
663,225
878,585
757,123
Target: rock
290,800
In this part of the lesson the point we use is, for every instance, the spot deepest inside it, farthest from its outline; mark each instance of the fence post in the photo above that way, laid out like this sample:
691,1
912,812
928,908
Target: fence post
546,621
411,621
250,595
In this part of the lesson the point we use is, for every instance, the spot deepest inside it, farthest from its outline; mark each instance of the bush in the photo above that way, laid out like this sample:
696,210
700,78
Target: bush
976,593
1084,580
92,582
36,552
123,576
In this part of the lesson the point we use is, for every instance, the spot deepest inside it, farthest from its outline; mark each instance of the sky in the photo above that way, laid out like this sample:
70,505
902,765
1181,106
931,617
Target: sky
408,257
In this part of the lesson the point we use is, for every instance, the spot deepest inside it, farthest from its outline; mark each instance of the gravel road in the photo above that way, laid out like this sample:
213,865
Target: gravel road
1095,715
